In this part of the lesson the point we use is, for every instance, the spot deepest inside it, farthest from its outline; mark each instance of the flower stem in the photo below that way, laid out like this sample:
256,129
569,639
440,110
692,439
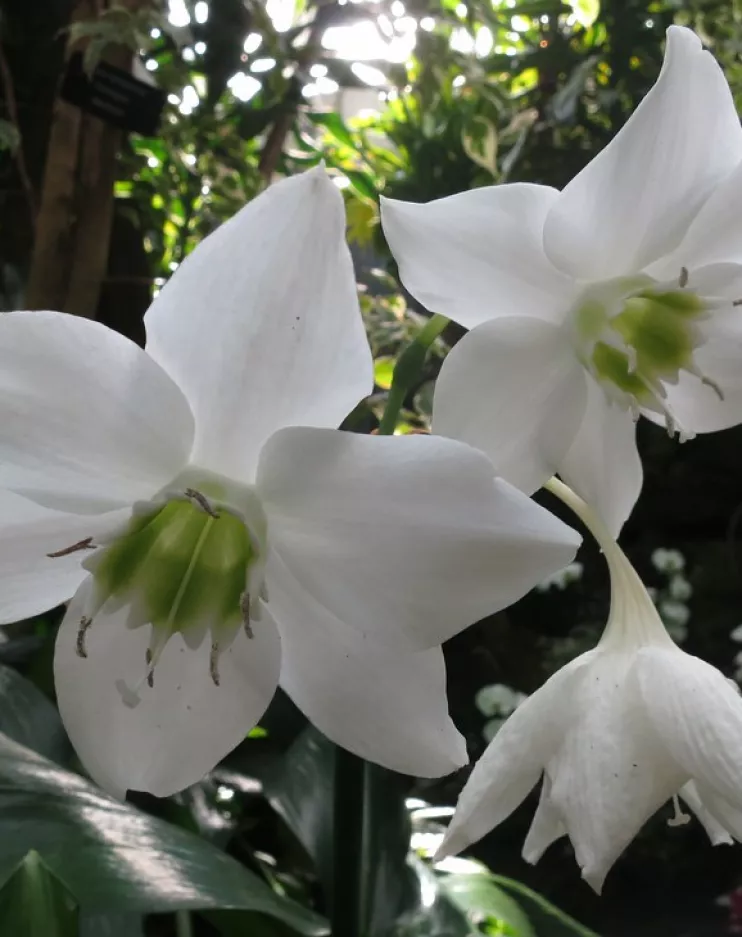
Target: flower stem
348,846
183,924
407,371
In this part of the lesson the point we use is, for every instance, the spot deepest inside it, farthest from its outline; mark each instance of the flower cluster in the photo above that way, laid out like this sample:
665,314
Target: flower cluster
215,533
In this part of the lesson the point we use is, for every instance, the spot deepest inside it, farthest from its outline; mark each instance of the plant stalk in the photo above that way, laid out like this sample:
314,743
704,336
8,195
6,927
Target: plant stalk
348,901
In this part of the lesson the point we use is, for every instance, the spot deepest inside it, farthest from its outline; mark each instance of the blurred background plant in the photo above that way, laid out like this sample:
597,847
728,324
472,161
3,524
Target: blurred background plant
415,99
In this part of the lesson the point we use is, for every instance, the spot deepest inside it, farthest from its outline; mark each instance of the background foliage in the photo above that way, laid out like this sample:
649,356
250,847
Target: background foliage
495,91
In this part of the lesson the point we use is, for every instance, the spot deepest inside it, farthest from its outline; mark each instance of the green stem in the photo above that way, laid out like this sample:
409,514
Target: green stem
407,371
348,855
546,906
183,924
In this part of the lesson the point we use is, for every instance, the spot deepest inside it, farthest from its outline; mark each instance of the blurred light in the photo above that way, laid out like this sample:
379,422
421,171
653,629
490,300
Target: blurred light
649,23
155,33
173,99
201,11
427,23
368,74
178,14
406,24
281,13
318,71
189,101
189,159
520,24
173,266
400,48
385,25
341,182
151,65
243,86
321,86
458,81
188,54
359,41
153,162
200,48
462,41
205,189
252,43
224,794
262,65
484,41
461,10
397,8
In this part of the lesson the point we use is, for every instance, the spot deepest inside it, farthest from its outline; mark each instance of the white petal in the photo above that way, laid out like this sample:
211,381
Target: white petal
612,772
722,815
479,254
88,422
260,325
546,828
634,201
717,833
410,538
514,389
385,705
183,725
602,465
514,760
30,581
698,714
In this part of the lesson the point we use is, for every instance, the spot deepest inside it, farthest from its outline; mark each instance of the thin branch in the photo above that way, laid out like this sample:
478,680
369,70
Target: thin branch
12,107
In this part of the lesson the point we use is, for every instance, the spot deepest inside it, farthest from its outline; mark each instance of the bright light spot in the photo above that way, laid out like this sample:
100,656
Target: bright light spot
153,162
545,20
427,23
398,8
461,10
520,24
190,100
368,74
484,41
428,891
459,866
385,25
649,23
178,14
189,159
200,48
243,86
155,33
252,43
400,48
359,41
318,71
205,189
151,65
188,55
173,99
201,11
462,41
224,794
458,81
341,182
426,843
262,65
173,266
406,24
281,13
321,86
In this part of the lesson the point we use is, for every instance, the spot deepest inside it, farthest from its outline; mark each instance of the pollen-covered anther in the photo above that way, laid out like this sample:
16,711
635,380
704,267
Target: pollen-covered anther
683,278
201,501
85,544
214,664
245,609
85,623
148,657
678,818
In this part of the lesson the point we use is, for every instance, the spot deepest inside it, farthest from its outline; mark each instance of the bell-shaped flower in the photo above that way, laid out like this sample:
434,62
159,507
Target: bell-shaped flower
614,297
217,530
616,733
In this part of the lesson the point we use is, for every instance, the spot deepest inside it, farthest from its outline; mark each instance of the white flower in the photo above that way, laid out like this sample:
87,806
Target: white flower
589,306
616,733
215,528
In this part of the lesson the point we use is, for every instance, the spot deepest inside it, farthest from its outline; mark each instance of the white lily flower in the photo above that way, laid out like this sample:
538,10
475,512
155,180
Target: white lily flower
616,733
216,529
589,306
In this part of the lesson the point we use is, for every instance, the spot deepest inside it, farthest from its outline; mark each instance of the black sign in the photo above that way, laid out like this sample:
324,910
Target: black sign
113,95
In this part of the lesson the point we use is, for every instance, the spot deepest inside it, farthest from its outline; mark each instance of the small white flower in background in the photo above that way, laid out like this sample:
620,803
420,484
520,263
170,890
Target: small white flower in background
616,733
215,528
589,306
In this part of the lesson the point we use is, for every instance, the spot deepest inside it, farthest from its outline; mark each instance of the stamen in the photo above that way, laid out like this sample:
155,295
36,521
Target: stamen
86,544
737,302
683,278
85,623
201,501
678,818
245,609
214,664
149,657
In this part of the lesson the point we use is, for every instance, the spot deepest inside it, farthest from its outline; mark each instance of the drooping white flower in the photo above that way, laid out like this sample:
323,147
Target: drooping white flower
589,306
616,733
215,528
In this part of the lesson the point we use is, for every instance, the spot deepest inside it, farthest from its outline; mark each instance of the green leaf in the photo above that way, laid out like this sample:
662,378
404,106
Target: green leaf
112,857
542,911
34,903
483,901
334,125
28,717
111,925
384,371
10,136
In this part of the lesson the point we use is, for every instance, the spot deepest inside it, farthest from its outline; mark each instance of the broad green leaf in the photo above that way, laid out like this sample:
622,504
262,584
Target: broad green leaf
483,901
28,717
546,916
112,857
111,925
35,903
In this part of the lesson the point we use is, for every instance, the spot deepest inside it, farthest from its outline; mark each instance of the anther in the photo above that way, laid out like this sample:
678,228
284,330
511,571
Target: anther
214,664
150,669
678,818
86,544
85,623
245,609
737,302
683,278
201,501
